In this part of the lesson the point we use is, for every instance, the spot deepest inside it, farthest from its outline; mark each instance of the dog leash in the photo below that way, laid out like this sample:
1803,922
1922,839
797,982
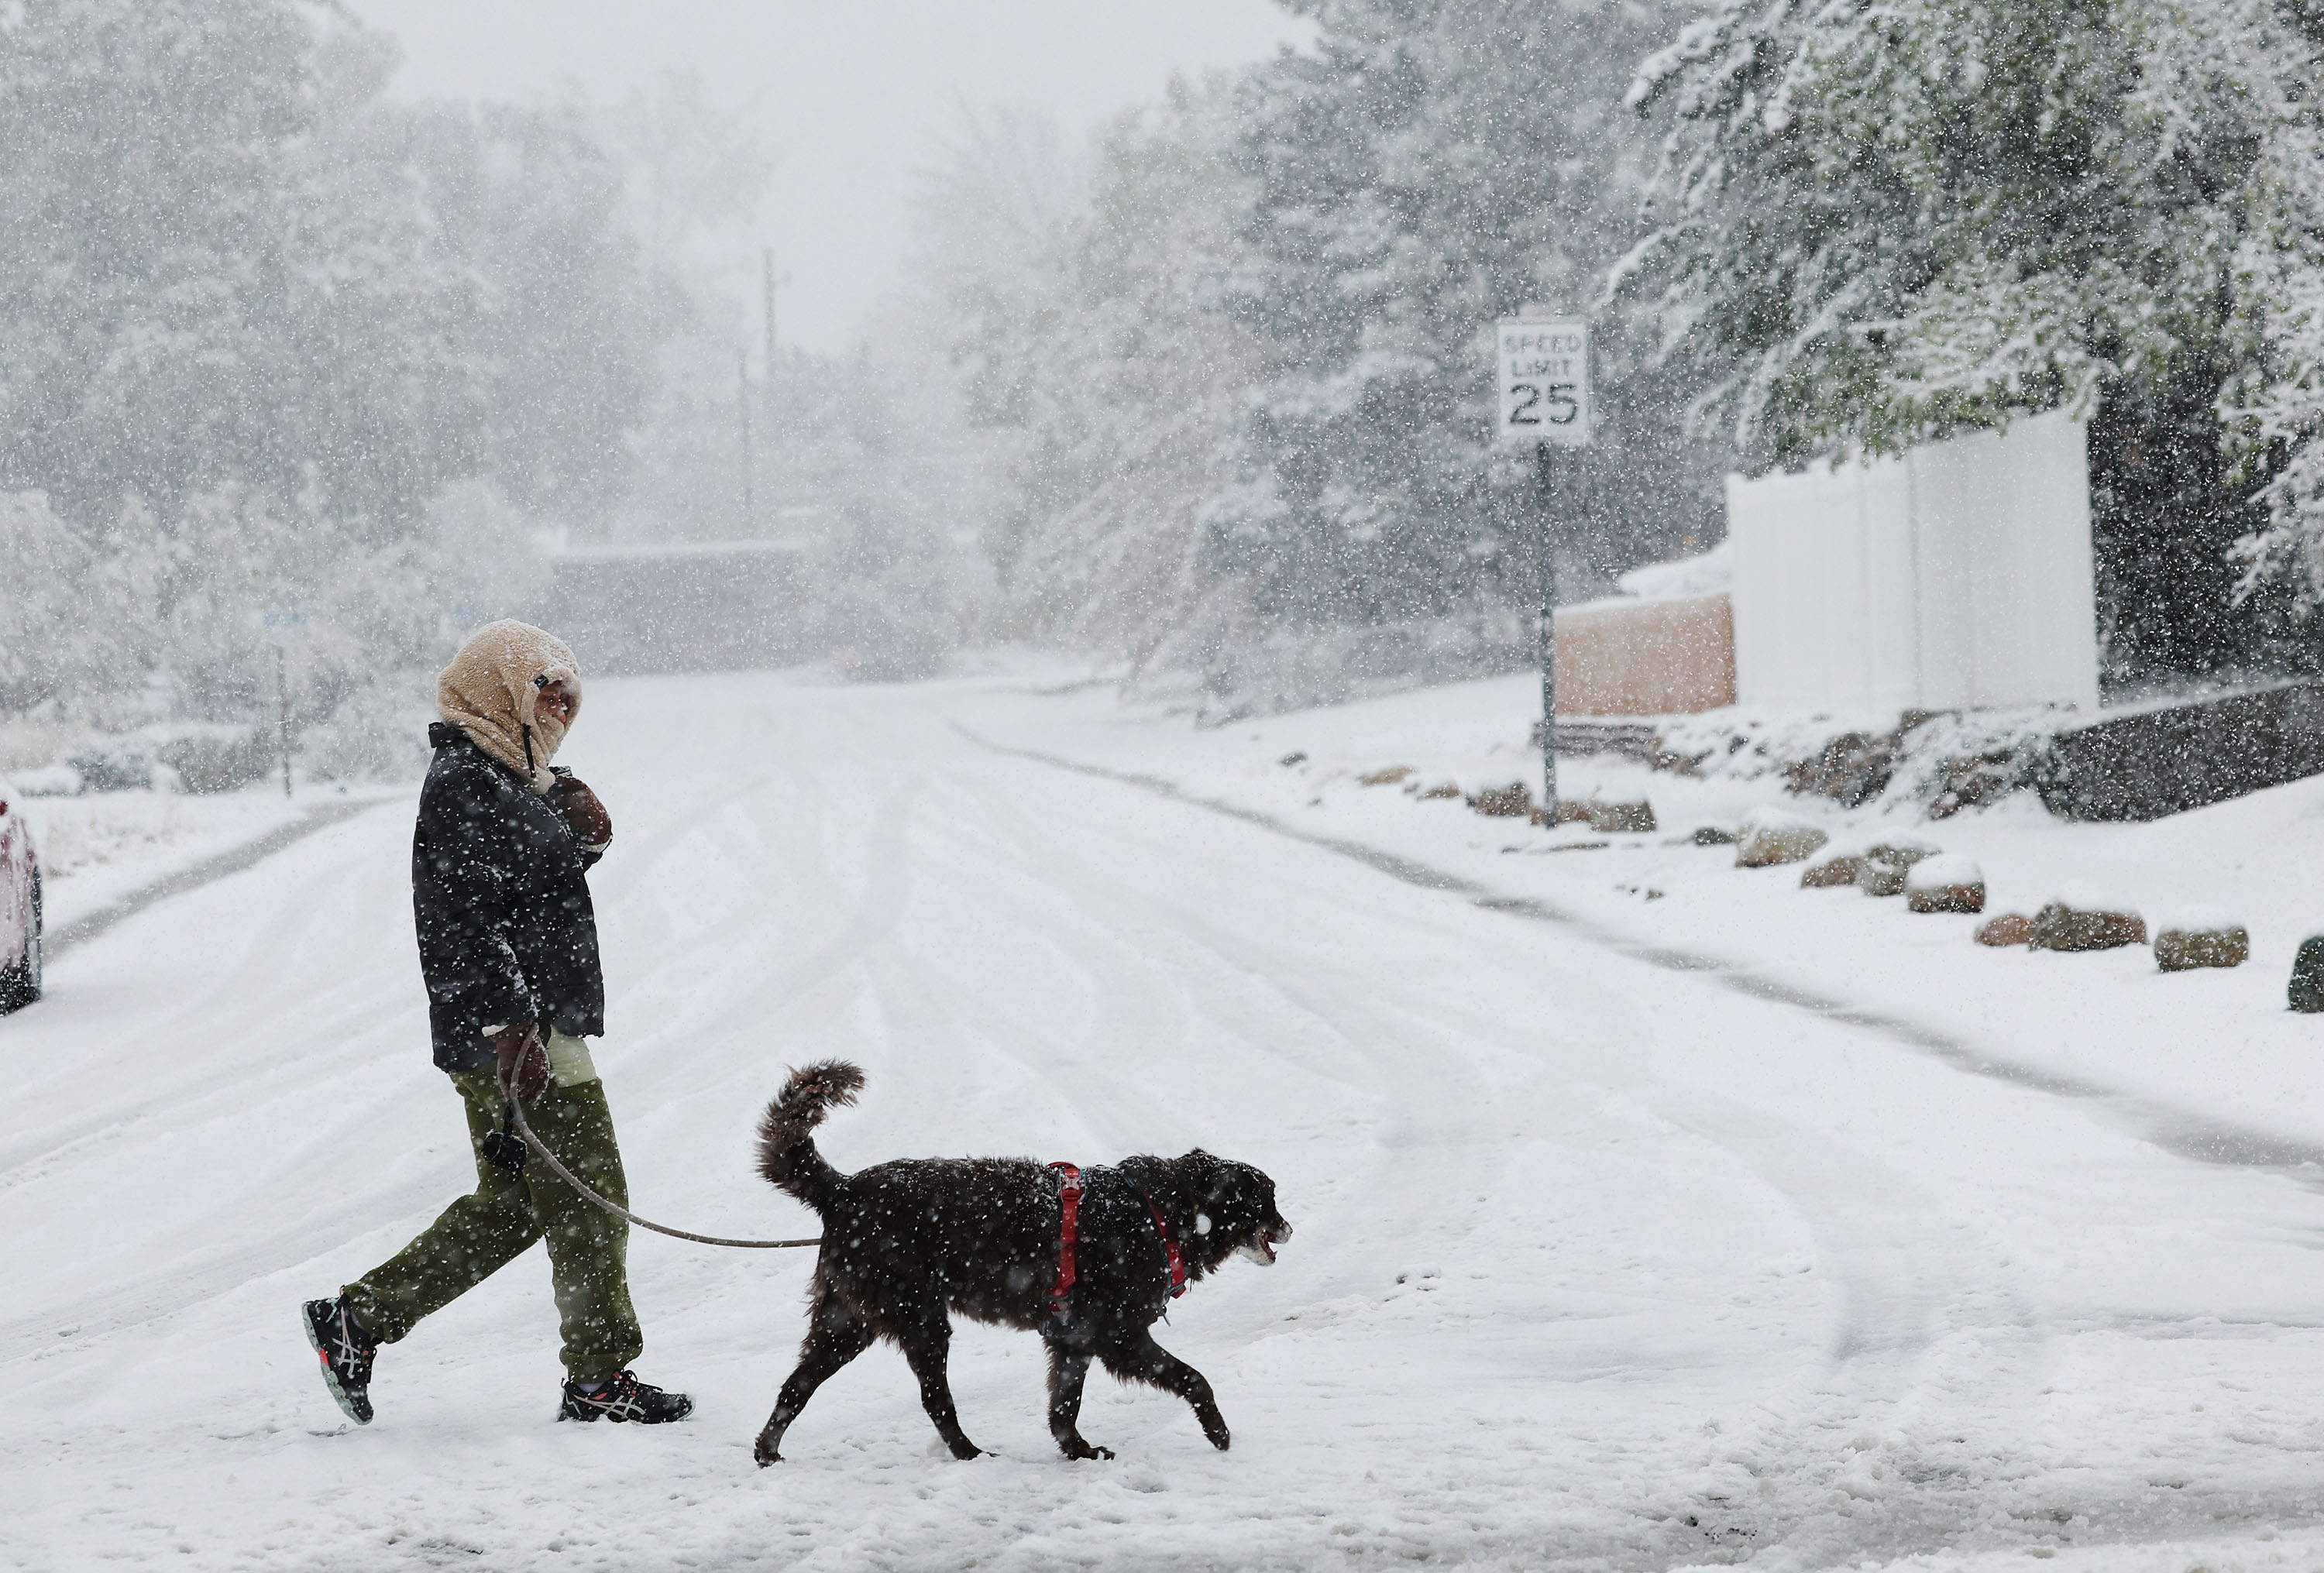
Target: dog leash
512,1114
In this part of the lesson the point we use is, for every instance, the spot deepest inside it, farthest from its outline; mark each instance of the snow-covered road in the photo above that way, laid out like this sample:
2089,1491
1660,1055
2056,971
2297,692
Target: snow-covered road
1598,1263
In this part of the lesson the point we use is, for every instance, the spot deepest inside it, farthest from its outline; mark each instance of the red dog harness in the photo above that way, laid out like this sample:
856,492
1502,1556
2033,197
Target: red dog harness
1170,1251
1069,1209
1069,1199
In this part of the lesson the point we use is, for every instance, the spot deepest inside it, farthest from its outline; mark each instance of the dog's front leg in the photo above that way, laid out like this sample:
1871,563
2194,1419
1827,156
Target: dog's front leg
927,1345
1067,1370
1135,1357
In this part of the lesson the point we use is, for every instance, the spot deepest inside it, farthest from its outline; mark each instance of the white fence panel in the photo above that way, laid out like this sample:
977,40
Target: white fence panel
1959,575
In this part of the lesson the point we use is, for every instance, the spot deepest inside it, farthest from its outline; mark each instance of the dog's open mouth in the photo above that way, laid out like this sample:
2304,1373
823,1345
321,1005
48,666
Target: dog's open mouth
1262,1248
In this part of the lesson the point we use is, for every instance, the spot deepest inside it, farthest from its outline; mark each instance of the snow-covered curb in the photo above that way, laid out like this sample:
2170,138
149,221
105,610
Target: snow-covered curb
101,850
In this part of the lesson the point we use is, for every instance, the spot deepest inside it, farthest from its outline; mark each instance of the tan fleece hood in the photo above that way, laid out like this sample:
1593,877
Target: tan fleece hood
490,689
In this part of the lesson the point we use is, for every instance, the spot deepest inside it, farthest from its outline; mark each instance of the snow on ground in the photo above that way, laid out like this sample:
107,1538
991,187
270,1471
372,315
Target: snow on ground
100,847
2219,1044
1603,1261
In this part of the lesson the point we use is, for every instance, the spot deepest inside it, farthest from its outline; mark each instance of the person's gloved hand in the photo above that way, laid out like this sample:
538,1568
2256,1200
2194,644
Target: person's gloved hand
523,1061
591,825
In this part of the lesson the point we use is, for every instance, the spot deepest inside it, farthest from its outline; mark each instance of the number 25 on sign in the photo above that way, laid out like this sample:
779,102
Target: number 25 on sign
1545,373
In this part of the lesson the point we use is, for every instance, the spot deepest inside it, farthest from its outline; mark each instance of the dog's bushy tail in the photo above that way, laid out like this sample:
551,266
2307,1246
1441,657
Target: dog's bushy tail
787,1155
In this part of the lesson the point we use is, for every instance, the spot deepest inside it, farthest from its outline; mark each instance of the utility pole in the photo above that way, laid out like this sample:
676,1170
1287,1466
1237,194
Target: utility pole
283,713
766,256
774,404
742,405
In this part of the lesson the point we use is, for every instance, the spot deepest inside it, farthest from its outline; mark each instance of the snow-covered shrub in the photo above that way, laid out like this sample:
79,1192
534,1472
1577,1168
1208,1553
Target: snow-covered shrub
1876,224
377,733
112,764
47,781
218,759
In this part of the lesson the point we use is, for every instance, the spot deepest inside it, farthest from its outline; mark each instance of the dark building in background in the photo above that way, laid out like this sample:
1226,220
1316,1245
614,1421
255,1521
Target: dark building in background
695,606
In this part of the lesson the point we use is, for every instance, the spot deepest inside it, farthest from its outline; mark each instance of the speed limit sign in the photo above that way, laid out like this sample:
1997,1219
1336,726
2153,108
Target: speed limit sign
1545,372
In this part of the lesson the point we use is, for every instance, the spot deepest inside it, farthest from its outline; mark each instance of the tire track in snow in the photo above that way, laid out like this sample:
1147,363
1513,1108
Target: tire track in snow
235,1004
1868,1448
2180,1132
72,935
1397,1059
187,1282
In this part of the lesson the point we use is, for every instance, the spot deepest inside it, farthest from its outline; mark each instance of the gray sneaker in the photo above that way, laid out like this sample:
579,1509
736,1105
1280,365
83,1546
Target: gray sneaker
346,1351
624,1398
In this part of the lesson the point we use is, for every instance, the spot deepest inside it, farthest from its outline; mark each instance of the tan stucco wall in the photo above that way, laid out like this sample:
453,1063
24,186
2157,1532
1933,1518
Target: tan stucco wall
1647,657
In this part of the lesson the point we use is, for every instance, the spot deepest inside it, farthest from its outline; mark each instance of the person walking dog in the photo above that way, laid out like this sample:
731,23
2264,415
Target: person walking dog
508,946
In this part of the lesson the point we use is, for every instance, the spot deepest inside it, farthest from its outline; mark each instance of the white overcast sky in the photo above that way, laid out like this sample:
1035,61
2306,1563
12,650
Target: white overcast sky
855,91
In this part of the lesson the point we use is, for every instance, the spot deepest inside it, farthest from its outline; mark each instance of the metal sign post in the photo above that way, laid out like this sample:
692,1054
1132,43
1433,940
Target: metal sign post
1543,363
281,622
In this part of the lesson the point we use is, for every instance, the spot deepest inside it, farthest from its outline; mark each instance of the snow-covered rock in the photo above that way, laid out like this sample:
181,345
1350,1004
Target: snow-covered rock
1774,835
2086,920
2005,928
2307,990
1889,860
1514,801
2201,937
1839,863
1947,882
1627,816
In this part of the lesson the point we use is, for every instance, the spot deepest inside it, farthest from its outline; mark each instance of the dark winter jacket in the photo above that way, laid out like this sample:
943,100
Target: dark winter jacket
499,890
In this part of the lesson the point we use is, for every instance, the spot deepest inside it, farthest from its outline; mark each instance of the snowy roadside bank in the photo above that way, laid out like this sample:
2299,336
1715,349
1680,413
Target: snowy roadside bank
2207,1065
2218,1044
103,851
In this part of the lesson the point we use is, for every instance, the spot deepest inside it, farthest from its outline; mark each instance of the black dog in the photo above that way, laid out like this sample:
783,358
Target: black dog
907,1243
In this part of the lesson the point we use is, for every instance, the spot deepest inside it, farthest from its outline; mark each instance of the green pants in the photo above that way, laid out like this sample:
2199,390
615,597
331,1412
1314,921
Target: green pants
588,1248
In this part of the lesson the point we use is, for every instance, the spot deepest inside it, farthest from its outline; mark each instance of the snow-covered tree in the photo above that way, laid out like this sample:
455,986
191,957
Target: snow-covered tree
1096,352
254,324
1879,220
1432,165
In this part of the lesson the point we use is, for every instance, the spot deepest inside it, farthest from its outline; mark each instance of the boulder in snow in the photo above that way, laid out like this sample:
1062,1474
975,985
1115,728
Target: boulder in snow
2188,939
1442,789
1385,777
2308,975
1772,836
1634,817
2005,928
1888,862
2086,923
1945,883
1514,801
1836,865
